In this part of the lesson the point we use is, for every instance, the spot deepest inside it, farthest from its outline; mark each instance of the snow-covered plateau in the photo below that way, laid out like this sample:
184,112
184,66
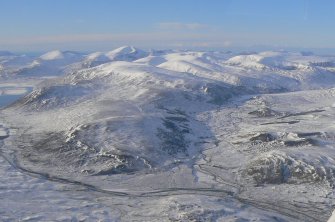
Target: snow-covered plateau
134,135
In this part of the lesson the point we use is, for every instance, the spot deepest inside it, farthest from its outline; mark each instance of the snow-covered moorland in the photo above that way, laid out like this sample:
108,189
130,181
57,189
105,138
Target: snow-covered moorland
167,136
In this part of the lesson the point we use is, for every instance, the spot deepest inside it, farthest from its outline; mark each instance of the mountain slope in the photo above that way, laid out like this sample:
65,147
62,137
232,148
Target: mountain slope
197,124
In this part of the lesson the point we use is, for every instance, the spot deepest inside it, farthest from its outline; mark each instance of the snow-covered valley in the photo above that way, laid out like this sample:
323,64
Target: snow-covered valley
130,135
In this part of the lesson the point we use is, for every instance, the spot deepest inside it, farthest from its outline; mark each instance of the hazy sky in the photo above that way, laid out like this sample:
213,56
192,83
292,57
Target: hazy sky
103,24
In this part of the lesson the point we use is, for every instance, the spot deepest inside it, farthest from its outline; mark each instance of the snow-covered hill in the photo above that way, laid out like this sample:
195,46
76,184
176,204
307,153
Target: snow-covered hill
126,53
235,133
53,63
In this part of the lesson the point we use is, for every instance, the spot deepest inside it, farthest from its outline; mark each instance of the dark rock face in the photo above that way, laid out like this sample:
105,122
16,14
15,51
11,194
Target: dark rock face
303,142
274,172
306,139
277,169
263,137
3,137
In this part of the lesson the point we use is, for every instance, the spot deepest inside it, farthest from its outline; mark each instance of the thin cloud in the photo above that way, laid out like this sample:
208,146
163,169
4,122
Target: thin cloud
178,26
155,39
165,39
140,37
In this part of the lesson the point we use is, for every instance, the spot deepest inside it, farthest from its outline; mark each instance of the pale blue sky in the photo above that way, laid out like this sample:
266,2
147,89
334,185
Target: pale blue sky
35,25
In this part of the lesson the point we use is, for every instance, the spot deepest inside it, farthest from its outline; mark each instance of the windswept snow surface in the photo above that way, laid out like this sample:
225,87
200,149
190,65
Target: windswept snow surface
168,136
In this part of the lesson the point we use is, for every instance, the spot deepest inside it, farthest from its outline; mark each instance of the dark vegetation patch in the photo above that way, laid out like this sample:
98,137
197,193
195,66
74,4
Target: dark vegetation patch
173,135
303,113
281,122
221,94
264,112
309,134
50,153
323,64
289,68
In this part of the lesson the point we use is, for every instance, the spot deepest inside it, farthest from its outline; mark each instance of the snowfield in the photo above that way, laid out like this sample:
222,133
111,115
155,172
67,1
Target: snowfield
130,135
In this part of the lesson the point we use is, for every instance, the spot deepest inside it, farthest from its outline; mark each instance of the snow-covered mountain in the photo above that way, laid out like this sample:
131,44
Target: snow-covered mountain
53,63
280,61
126,53
237,133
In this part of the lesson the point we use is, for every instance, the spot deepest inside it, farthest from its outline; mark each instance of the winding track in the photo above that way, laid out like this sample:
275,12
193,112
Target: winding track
287,211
